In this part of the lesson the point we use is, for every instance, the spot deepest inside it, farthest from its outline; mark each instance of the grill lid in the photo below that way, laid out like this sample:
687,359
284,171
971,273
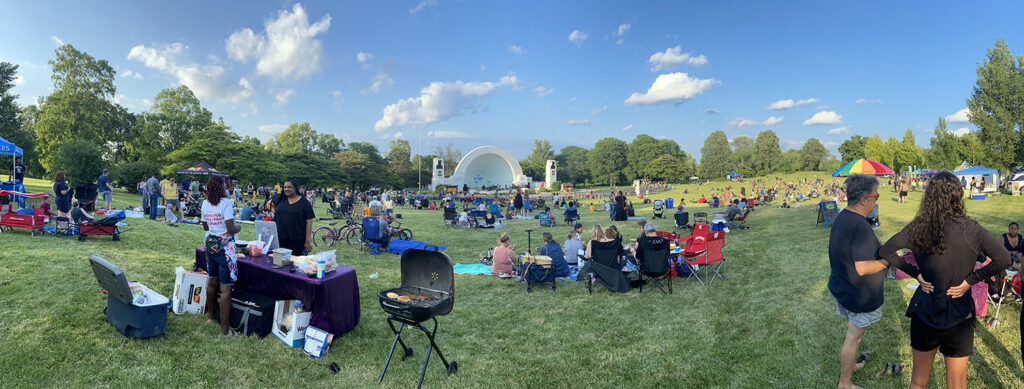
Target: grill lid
428,269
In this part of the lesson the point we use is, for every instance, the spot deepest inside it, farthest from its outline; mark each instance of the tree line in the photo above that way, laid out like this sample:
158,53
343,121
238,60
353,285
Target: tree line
79,128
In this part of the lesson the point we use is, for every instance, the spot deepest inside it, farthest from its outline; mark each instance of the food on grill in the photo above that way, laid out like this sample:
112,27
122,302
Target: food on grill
404,298
424,296
392,295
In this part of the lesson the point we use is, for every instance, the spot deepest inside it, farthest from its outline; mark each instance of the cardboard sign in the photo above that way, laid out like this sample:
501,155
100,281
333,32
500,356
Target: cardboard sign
317,342
827,212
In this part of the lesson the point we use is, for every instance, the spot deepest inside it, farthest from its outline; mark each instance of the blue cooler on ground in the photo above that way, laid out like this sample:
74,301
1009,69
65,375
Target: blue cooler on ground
139,315
669,203
718,223
977,196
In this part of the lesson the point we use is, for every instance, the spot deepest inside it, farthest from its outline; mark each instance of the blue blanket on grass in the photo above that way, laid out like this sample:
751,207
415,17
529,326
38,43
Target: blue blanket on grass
398,246
479,268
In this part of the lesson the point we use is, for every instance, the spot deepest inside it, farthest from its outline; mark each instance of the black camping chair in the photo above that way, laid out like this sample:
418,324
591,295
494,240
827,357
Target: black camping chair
700,217
571,215
449,217
606,267
682,220
655,264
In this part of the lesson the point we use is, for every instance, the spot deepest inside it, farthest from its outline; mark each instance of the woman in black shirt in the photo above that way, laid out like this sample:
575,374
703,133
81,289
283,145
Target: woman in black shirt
946,243
620,207
62,194
294,218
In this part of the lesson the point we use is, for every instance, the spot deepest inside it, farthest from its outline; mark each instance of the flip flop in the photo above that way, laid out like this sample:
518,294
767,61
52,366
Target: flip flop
898,367
885,372
863,357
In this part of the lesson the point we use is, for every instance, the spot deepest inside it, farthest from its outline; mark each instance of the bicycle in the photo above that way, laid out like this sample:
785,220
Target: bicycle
329,234
399,232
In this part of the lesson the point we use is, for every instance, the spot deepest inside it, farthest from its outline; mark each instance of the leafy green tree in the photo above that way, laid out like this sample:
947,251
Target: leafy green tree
422,170
297,138
875,150
948,150
812,155
130,173
908,153
17,125
743,155
852,148
716,156
643,150
79,107
25,137
893,152
359,167
376,173
791,161
572,164
669,168
533,165
399,163
81,160
607,160
997,107
311,170
767,153
226,151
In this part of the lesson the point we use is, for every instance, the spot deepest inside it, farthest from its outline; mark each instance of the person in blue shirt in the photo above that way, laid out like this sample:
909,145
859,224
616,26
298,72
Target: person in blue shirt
554,250
247,213
103,184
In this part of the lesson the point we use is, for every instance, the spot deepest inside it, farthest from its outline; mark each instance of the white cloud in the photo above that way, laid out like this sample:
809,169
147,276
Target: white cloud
584,122
423,4
364,58
961,116
447,134
577,37
438,101
669,87
338,99
789,103
336,93
541,91
745,122
288,49
824,117
961,131
281,98
272,128
147,103
398,134
596,111
377,82
57,40
829,144
627,127
672,57
871,101
518,50
206,81
623,28
711,111
839,131
18,80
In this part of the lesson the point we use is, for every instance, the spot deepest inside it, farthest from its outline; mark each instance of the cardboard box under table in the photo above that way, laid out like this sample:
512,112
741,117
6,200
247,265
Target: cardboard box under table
289,325
333,300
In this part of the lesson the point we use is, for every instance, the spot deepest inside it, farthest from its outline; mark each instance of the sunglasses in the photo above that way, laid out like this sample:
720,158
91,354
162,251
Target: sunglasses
874,195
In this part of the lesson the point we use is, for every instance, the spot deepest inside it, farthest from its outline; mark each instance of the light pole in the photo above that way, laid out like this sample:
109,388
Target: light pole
419,166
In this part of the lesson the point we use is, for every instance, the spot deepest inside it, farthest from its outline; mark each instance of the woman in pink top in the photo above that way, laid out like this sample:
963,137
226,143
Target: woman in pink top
502,258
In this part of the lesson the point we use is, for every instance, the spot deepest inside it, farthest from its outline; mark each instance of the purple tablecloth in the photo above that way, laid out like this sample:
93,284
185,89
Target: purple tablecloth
334,300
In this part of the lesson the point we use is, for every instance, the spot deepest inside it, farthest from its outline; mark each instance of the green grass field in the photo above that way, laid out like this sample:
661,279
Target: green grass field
771,324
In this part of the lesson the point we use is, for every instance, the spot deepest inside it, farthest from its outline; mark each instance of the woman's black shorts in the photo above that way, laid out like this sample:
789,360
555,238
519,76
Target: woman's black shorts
953,342
903,194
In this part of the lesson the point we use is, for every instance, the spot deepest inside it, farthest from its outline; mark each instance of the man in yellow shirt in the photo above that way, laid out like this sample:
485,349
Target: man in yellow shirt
170,191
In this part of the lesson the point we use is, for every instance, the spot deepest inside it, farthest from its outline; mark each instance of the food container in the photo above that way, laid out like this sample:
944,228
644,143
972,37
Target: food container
281,255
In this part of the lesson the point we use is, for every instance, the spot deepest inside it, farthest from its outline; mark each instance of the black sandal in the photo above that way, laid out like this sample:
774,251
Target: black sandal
863,357
885,372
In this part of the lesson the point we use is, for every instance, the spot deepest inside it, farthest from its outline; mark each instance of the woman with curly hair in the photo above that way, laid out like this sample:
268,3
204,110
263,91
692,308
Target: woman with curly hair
946,244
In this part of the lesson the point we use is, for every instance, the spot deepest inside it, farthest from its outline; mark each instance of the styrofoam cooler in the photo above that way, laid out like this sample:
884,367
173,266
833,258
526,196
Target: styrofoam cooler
189,291
132,317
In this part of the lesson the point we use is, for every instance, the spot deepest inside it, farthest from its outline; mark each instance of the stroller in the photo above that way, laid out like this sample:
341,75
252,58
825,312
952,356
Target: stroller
659,209
193,207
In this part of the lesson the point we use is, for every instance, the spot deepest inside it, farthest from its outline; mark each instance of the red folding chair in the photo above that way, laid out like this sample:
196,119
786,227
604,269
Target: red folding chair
705,252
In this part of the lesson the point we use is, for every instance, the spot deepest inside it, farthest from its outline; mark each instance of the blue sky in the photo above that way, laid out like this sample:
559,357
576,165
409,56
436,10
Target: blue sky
476,73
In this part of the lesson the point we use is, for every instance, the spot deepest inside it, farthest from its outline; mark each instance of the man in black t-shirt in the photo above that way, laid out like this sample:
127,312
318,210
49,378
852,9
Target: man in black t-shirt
858,298
19,171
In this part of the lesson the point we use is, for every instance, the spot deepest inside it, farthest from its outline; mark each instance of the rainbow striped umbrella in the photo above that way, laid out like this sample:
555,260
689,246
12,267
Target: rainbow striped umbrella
862,166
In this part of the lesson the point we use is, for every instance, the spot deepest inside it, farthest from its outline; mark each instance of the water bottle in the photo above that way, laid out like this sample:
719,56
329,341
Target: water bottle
320,265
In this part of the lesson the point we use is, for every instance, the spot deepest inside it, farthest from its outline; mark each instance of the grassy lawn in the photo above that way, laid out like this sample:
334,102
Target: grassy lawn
771,324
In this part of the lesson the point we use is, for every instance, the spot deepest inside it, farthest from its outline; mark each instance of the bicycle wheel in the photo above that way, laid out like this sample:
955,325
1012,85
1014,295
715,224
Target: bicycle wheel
323,237
354,235
405,234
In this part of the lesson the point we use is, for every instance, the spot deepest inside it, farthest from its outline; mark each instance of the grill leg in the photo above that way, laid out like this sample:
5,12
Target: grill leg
398,338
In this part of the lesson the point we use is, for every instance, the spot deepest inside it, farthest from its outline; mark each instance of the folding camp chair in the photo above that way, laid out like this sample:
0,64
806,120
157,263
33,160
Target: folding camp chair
373,240
705,252
571,215
449,217
741,221
546,220
682,220
700,217
656,264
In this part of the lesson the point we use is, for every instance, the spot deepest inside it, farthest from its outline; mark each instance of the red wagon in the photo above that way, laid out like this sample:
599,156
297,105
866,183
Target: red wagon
33,223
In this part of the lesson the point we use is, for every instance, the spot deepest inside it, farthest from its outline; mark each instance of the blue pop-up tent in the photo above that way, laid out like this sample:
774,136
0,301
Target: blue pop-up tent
8,148
991,176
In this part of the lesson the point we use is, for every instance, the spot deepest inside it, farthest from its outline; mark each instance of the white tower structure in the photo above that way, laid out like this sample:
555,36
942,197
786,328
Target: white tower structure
550,174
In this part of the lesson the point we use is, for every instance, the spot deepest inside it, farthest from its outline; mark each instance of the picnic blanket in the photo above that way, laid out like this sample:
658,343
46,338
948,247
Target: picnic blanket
398,246
495,226
472,268
635,218
133,214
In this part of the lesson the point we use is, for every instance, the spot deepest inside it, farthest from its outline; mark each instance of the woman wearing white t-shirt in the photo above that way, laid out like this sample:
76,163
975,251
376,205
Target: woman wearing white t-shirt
221,259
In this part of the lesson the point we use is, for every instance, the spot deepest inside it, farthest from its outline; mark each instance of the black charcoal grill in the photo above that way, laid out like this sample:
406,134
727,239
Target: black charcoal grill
428,279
